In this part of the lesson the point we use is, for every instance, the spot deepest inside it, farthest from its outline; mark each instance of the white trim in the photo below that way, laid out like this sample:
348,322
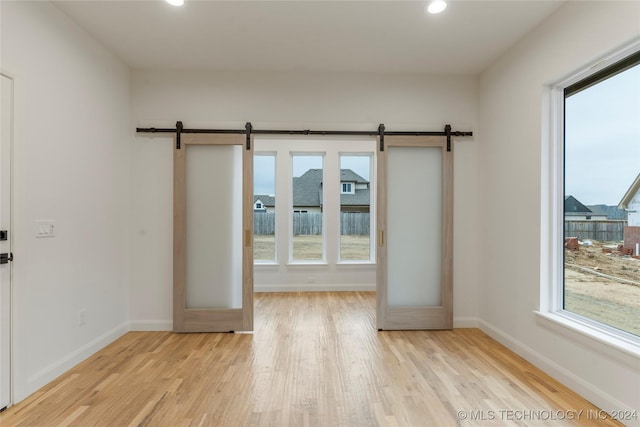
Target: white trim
587,390
10,287
552,214
54,370
615,346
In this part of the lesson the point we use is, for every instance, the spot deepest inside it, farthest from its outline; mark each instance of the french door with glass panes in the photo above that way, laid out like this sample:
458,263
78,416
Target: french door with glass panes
415,233
213,234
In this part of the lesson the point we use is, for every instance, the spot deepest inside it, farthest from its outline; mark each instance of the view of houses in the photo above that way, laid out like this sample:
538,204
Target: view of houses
602,222
307,193
308,205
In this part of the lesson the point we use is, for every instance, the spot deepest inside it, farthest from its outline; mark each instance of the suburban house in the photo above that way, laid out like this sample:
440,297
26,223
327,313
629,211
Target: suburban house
574,210
264,203
612,213
97,98
307,192
631,202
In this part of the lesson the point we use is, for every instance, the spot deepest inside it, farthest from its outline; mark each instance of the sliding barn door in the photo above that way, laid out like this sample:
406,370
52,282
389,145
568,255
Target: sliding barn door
415,234
213,234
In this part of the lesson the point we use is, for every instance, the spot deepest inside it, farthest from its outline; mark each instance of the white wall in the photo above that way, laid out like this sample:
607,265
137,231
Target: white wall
71,165
286,100
633,210
514,110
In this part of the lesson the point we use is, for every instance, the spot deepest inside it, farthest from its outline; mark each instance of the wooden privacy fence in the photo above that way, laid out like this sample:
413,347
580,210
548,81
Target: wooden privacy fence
310,223
596,230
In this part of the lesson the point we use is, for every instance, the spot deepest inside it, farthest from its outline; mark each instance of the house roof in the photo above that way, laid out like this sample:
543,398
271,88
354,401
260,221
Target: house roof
626,199
307,189
611,212
350,176
573,207
265,199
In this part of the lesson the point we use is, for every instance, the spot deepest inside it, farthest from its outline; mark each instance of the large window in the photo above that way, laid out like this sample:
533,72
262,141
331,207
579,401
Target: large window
601,242
314,207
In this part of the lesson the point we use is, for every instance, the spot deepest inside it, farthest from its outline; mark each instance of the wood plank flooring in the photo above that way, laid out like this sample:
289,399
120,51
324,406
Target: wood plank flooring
315,359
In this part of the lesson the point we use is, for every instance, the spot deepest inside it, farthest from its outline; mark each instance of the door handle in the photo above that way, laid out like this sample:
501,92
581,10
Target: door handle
5,258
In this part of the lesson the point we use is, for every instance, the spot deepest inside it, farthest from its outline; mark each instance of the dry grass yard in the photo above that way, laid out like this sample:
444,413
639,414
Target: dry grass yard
352,248
603,287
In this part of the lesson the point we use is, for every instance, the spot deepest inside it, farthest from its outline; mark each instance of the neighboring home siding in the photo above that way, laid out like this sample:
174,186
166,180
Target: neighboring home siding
268,203
631,202
634,211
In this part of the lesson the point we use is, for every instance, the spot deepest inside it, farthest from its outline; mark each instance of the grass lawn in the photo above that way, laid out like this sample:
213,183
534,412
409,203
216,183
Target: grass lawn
352,248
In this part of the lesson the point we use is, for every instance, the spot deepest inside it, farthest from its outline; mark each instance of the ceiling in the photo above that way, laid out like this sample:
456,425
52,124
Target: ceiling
326,35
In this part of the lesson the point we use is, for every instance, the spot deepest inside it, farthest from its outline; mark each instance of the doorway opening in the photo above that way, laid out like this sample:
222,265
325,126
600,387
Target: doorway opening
314,214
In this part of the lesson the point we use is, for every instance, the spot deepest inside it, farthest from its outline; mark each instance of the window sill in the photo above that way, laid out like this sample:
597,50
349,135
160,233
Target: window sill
618,346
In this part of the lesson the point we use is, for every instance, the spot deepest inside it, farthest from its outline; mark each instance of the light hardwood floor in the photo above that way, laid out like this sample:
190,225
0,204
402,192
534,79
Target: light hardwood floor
315,359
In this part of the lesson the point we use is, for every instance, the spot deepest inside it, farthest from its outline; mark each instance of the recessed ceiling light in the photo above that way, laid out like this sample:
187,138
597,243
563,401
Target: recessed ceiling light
436,6
175,2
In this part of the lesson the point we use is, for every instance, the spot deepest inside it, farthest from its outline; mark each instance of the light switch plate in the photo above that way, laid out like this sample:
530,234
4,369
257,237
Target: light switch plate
45,228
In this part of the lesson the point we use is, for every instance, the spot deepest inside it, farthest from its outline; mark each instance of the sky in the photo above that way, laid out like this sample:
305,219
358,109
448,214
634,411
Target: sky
264,169
602,139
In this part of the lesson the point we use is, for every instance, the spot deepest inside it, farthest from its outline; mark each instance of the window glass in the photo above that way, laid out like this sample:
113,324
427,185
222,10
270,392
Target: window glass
264,199
355,208
307,205
601,273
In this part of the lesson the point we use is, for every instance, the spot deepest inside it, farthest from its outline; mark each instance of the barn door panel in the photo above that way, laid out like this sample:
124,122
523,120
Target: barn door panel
415,258
213,234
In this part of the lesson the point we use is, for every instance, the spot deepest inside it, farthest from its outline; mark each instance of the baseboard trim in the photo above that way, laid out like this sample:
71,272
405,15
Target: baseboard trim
54,370
466,322
558,372
151,325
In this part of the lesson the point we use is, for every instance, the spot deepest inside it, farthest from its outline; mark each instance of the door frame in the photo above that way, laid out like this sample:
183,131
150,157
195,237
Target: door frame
8,303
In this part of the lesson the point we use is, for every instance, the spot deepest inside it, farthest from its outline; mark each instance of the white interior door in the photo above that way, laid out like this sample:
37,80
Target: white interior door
415,225
6,93
213,234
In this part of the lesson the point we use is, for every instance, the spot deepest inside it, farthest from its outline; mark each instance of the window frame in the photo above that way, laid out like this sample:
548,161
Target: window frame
551,311
348,185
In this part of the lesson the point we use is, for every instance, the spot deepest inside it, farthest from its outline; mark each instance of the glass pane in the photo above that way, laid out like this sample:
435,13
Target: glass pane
414,226
264,205
307,235
214,226
602,162
355,208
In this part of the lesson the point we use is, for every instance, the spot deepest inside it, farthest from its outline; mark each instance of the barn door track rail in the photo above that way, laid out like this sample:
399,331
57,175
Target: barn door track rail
248,131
